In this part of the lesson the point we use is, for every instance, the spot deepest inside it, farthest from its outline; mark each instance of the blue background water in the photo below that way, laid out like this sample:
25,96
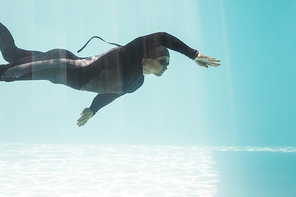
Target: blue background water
248,101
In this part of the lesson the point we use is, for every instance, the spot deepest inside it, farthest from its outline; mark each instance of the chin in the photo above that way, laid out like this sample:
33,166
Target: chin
158,74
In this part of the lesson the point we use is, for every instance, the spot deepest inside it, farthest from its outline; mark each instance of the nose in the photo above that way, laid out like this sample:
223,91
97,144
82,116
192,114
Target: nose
165,67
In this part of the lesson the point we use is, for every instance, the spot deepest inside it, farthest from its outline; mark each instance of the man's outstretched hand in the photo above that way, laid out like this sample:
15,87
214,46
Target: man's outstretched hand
86,114
206,61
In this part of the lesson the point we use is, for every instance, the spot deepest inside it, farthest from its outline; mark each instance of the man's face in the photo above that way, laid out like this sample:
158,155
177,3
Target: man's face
158,65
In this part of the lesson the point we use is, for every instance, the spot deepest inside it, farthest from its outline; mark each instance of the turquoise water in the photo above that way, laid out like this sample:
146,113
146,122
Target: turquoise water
226,131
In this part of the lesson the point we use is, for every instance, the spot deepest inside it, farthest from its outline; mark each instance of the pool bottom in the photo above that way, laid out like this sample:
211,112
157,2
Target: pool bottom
87,170
112,170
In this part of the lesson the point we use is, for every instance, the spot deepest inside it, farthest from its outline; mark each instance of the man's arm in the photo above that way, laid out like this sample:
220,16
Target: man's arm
99,102
144,44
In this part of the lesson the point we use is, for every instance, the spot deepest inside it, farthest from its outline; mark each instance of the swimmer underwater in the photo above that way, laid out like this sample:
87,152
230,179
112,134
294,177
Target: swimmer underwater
118,71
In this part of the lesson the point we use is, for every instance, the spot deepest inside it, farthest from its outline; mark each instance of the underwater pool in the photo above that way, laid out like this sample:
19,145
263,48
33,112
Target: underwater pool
226,131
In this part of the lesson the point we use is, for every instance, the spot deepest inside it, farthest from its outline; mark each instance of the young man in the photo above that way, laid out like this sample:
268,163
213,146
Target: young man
119,71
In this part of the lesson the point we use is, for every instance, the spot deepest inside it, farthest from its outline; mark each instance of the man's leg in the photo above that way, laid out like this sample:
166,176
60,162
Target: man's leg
3,68
9,50
58,66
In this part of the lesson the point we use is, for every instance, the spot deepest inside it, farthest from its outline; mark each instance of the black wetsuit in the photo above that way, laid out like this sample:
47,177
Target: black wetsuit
120,69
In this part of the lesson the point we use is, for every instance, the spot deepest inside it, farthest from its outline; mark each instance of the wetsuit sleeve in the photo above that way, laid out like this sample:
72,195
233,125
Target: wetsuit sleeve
102,100
147,43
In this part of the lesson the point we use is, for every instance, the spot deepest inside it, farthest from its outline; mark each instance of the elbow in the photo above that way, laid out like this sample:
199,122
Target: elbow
163,35
162,38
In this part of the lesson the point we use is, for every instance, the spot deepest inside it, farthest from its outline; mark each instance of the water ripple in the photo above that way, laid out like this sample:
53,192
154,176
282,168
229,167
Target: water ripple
86,170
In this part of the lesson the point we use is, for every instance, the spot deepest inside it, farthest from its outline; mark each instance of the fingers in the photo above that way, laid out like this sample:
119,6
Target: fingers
86,114
214,60
211,60
83,118
81,121
213,64
207,64
206,61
